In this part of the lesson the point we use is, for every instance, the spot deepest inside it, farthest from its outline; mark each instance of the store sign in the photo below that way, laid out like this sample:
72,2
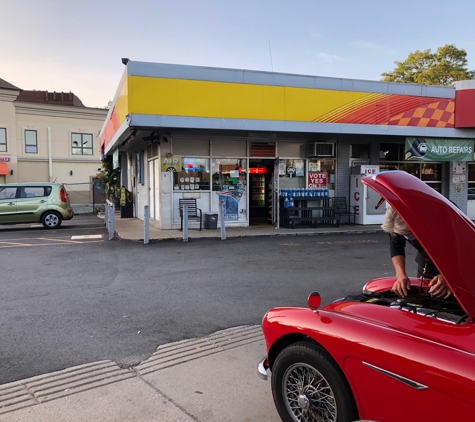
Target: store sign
4,159
257,170
369,169
438,149
317,179
172,164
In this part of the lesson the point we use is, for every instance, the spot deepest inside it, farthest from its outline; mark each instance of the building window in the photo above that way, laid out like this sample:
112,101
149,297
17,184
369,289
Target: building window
229,174
194,174
140,169
3,139
392,157
471,182
81,144
31,142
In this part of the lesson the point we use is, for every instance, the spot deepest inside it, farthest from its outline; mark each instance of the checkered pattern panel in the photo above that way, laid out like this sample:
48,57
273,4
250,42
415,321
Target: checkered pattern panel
436,114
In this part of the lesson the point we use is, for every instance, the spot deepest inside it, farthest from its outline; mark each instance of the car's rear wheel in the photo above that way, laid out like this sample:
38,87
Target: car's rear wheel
51,219
308,386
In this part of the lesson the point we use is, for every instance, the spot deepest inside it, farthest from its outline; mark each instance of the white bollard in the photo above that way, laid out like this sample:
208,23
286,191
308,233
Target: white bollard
221,217
185,223
146,221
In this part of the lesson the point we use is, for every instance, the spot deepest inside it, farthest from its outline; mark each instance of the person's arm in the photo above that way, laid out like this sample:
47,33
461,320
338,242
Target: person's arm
402,283
397,248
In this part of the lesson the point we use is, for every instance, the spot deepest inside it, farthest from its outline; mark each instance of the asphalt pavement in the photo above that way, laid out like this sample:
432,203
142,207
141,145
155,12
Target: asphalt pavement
207,379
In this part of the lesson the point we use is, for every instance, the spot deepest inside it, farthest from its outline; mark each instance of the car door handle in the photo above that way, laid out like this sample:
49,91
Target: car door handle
11,203
42,201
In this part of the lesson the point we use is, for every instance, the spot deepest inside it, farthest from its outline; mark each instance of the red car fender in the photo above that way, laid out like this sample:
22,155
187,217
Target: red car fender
361,337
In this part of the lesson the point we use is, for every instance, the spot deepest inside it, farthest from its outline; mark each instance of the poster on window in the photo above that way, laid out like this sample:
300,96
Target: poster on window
230,200
317,179
299,168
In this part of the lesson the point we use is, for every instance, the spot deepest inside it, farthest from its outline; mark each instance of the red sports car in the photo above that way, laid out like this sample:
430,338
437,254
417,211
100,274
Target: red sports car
376,356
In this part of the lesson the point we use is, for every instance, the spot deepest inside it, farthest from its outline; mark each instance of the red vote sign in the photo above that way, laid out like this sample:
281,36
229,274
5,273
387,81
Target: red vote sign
317,179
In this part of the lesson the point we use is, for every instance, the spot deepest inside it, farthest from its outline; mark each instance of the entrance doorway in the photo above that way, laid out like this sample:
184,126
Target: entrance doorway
261,173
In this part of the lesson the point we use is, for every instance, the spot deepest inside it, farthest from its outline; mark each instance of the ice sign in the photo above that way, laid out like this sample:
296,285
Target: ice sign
367,170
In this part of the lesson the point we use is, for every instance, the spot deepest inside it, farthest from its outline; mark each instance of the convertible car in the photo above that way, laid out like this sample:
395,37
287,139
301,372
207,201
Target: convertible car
375,356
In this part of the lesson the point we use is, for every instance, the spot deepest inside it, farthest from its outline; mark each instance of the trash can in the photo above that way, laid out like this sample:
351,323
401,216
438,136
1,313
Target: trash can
211,220
126,203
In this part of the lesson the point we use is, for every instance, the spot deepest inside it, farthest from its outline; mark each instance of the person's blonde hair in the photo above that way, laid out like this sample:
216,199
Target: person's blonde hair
394,224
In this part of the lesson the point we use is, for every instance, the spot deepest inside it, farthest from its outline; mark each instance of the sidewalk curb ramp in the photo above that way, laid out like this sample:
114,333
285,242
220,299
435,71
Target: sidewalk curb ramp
57,385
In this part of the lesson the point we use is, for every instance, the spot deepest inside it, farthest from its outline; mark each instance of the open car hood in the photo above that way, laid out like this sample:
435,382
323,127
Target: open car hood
445,232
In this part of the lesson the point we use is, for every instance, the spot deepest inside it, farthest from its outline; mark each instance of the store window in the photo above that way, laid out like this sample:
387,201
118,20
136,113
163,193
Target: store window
359,151
81,144
471,182
229,174
292,173
191,174
3,139
31,142
326,166
392,158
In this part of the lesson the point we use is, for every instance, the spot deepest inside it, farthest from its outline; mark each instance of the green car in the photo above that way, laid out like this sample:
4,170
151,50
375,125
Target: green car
45,203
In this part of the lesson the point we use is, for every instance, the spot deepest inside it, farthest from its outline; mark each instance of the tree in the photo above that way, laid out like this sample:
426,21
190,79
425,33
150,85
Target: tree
447,65
110,180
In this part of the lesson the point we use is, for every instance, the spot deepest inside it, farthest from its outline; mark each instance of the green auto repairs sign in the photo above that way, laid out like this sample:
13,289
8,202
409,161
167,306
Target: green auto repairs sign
439,149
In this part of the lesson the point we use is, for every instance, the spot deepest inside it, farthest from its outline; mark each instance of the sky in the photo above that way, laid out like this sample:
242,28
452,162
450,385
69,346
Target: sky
77,45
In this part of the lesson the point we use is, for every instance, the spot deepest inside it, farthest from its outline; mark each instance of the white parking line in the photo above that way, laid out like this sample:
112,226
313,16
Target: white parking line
87,236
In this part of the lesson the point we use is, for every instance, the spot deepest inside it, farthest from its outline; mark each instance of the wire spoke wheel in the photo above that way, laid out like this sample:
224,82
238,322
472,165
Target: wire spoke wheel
308,396
308,386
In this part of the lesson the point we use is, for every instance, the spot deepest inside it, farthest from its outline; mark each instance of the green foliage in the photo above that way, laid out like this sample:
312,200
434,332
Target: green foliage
110,180
444,67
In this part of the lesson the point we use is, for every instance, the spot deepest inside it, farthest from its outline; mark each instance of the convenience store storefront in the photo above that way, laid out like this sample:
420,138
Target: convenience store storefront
242,136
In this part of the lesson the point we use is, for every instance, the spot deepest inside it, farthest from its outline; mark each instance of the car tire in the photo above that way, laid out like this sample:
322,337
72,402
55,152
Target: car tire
307,385
51,219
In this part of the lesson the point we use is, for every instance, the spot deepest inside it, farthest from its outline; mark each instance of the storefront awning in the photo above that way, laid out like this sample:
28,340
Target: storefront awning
4,169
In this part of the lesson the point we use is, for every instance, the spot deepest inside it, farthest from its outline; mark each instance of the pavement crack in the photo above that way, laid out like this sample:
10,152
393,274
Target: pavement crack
169,399
32,393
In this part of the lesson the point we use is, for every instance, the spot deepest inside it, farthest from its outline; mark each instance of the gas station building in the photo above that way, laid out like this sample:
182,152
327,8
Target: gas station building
211,134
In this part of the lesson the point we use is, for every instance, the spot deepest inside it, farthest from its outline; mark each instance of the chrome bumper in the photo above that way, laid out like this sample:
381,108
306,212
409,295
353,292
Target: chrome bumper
262,369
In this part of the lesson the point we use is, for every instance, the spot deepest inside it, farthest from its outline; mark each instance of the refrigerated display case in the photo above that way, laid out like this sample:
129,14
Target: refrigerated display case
258,190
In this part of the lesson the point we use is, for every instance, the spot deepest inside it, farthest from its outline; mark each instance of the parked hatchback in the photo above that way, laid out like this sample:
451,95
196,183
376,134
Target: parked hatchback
45,203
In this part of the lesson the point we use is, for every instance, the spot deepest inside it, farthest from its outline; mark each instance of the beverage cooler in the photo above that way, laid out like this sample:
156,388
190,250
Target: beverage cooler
363,200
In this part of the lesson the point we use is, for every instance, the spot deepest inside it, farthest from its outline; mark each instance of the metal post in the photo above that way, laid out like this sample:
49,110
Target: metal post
106,214
185,223
146,224
112,230
221,218
109,217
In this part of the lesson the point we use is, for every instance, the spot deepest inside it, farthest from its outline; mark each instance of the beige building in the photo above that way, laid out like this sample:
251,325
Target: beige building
49,136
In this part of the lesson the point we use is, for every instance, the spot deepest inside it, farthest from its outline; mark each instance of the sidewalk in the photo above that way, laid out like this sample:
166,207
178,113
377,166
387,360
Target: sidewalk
207,379
133,229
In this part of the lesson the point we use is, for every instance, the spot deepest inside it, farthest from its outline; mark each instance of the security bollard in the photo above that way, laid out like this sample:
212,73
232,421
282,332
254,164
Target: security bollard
221,217
185,223
146,221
